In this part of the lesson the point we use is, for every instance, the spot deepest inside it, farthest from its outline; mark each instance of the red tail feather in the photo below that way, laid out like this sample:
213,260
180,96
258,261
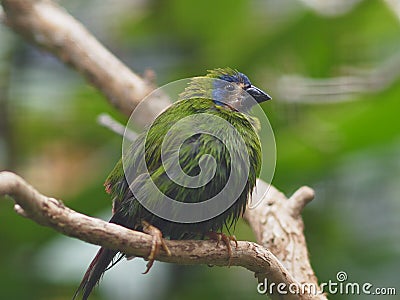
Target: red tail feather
96,269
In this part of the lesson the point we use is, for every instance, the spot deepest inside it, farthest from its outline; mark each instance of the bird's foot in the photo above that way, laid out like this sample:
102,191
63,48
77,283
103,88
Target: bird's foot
157,243
226,239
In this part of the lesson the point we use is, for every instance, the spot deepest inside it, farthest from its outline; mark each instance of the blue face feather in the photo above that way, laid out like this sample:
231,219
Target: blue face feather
237,78
234,90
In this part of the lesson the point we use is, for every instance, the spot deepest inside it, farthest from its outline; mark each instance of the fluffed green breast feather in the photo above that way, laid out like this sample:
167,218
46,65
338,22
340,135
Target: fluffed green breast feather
189,155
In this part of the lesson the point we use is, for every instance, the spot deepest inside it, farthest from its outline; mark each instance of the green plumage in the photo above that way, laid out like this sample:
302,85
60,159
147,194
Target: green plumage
130,213
190,153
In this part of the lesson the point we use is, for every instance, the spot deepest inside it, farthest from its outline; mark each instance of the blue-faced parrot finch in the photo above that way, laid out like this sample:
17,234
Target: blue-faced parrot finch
226,97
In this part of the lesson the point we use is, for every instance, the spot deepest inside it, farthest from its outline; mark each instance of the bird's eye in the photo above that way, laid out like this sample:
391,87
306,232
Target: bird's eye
229,87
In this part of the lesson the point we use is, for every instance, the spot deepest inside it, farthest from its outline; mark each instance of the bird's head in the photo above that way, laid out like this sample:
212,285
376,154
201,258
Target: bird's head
227,88
234,90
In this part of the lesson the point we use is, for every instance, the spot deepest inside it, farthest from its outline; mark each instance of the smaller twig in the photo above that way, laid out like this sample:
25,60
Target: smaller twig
299,200
109,122
2,15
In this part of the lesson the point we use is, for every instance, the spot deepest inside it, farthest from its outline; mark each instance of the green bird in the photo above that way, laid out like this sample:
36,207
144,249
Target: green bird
191,172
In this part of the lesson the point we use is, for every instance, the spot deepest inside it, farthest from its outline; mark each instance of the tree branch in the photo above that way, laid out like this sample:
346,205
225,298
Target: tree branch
49,26
277,224
52,213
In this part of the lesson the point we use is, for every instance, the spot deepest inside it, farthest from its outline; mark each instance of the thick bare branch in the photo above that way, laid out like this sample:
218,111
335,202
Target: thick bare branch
52,213
49,26
278,226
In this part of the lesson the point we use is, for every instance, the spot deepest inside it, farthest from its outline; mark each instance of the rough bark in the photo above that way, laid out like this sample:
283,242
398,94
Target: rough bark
53,213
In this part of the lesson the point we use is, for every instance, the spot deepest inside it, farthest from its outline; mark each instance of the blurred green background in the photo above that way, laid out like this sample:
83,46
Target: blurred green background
333,70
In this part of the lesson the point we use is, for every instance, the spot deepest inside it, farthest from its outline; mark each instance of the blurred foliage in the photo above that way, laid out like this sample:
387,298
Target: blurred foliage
347,150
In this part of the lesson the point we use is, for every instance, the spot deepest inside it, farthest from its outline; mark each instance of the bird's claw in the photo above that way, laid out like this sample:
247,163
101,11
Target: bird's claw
226,239
157,243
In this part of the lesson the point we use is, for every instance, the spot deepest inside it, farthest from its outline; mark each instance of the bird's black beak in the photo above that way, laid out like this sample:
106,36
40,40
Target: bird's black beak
258,94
